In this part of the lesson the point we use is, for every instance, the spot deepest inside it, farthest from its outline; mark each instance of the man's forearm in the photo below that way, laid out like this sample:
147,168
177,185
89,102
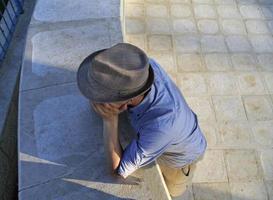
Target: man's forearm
112,145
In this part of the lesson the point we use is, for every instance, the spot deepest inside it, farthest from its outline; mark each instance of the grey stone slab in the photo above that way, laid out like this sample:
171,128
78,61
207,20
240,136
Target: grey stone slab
211,191
211,168
53,57
228,108
244,62
213,44
54,133
251,11
187,43
266,62
262,44
263,133
204,11
158,25
258,108
183,26
208,26
58,10
235,159
90,181
134,26
61,151
238,44
248,190
228,11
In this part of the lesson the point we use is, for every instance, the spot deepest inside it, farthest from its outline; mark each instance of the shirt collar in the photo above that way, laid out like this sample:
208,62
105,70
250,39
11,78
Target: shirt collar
144,104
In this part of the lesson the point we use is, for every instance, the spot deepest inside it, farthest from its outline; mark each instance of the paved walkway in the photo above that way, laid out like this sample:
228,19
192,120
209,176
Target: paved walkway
220,54
61,153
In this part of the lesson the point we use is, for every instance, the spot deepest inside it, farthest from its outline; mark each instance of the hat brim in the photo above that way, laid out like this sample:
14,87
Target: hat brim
96,92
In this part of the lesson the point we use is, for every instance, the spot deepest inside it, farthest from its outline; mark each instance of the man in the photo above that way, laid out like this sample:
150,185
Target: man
123,78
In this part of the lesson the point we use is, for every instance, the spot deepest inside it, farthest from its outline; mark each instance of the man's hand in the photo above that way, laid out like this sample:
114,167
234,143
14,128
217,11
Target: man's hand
107,110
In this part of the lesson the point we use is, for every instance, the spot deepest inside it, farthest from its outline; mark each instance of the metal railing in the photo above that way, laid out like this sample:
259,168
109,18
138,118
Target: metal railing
9,12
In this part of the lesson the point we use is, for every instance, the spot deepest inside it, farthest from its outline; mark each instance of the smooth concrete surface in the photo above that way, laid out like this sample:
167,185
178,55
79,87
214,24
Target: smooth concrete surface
58,10
61,150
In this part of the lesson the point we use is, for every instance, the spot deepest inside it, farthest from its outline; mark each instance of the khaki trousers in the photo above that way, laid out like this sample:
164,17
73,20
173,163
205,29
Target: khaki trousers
178,179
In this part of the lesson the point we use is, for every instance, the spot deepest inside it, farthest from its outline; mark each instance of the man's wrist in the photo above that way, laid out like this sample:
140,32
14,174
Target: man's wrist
112,119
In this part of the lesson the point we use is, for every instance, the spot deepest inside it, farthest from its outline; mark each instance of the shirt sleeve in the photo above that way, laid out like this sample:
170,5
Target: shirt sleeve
151,144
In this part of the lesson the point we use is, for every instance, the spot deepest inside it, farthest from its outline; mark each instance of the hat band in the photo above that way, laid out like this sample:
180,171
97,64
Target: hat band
121,92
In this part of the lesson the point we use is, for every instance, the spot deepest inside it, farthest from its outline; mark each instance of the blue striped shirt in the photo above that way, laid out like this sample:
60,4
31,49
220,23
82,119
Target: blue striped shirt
165,125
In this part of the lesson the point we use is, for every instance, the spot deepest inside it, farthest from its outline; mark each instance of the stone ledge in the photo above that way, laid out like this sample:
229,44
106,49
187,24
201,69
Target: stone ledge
61,153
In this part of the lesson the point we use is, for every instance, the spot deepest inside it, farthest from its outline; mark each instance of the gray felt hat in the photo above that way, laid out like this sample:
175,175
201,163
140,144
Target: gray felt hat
115,74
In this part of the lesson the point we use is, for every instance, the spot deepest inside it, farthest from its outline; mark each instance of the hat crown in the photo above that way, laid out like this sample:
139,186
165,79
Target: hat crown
121,67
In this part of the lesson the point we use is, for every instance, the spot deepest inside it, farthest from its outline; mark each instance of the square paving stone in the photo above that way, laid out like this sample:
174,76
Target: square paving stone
256,27
134,10
192,83
228,108
58,10
187,43
156,10
267,11
204,11
235,134
211,133
165,59
262,43
208,26
238,43
213,44
248,190
266,62
263,132
251,83
267,163
228,11
258,107
184,26
211,168
232,26
211,191
202,107
244,62
53,57
134,26
218,62
251,11
222,83
269,81
158,25
159,42
235,159
180,10
190,63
